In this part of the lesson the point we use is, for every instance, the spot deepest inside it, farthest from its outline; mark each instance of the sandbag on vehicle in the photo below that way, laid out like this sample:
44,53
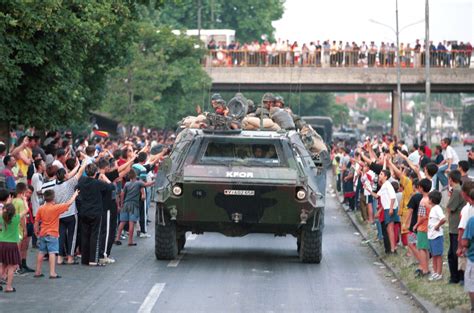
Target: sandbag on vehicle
253,123
192,121
312,140
282,118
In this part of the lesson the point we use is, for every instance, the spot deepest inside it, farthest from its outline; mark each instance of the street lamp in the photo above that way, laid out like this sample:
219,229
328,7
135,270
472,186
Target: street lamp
427,71
397,122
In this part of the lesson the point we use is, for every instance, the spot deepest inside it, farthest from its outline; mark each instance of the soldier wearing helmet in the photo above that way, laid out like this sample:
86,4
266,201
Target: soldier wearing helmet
220,107
279,102
214,98
268,101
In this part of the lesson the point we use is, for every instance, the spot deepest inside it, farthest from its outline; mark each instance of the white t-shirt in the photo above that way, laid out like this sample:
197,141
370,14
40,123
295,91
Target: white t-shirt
37,183
58,164
436,215
450,153
466,213
414,157
367,180
387,193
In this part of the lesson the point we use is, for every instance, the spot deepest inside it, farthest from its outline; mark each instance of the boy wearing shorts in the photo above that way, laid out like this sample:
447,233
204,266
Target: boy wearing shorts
421,228
435,234
131,194
47,231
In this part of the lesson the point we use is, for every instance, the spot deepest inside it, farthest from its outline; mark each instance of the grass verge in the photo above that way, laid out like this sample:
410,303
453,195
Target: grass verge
440,293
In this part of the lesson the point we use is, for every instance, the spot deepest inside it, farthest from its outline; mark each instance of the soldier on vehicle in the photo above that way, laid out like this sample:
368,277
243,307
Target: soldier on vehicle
268,101
279,102
214,98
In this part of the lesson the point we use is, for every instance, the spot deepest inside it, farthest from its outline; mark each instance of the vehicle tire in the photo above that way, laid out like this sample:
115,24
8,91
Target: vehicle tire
311,244
166,243
181,242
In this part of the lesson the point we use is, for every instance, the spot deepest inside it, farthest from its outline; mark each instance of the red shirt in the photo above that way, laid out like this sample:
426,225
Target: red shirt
428,152
121,162
382,212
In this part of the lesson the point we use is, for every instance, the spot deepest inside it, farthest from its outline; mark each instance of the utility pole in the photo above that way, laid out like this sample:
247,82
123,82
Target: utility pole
199,18
397,119
427,72
212,14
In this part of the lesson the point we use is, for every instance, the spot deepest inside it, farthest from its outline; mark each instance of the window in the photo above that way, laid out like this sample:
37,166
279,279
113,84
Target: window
240,153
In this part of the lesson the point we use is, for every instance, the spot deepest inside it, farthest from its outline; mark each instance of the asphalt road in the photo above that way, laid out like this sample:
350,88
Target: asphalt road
256,273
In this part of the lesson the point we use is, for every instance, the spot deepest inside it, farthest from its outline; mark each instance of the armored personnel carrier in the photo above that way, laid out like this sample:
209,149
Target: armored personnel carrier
237,182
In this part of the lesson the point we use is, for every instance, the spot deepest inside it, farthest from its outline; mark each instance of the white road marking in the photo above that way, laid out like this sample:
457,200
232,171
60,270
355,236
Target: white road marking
191,237
151,298
175,262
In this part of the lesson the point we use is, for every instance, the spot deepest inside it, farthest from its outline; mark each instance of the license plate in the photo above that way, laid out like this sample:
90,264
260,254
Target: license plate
232,192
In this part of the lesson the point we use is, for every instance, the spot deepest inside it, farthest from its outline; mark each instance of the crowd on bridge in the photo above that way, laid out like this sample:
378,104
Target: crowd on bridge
72,200
408,194
334,53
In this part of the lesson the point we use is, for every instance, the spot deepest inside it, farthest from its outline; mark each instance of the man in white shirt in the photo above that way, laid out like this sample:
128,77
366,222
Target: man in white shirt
37,183
449,163
388,199
466,213
414,157
61,158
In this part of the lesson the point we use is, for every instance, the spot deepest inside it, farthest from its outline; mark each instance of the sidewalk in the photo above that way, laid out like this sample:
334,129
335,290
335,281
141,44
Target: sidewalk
429,296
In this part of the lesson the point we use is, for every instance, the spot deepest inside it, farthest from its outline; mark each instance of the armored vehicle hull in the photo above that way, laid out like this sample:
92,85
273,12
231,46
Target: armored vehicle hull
237,183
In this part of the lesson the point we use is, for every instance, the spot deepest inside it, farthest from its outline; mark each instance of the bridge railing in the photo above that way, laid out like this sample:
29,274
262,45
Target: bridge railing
342,58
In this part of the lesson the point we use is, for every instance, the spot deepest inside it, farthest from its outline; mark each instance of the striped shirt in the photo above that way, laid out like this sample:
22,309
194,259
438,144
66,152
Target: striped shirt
48,185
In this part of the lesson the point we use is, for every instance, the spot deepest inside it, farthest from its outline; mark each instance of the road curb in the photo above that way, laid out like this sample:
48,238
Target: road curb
419,302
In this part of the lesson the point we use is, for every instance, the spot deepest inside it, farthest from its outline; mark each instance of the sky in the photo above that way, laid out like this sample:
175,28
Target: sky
349,20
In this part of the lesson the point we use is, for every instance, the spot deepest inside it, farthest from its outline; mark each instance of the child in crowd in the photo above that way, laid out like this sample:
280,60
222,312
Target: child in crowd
421,228
388,200
435,233
9,240
21,205
129,213
47,231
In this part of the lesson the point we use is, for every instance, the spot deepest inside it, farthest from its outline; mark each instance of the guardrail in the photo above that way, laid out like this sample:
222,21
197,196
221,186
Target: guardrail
340,58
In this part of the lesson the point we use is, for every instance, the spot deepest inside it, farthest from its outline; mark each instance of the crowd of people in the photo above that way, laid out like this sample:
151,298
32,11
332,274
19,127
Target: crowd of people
66,198
338,54
408,194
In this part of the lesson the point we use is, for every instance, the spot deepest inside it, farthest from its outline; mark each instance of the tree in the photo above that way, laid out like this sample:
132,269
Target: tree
250,19
55,56
378,116
163,82
361,103
409,120
339,114
467,122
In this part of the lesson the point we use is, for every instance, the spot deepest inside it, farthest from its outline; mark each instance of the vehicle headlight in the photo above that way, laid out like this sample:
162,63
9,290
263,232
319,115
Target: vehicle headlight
177,190
301,194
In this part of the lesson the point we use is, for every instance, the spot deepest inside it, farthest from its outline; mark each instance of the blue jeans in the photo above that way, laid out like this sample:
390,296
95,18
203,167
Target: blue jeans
440,176
48,244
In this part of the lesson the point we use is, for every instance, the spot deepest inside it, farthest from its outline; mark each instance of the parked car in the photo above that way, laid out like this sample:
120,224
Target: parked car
468,140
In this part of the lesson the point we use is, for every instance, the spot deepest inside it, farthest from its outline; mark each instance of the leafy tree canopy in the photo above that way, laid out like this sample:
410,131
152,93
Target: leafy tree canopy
250,19
162,84
55,55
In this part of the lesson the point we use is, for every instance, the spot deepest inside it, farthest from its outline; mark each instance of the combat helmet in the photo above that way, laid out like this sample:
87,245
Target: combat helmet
268,97
216,97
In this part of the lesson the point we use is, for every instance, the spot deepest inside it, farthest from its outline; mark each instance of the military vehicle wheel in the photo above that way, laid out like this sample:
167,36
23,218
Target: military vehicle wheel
311,242
166,243
181,241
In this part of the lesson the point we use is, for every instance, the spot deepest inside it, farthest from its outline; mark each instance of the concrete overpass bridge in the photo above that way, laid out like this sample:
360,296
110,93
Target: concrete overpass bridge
339,79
